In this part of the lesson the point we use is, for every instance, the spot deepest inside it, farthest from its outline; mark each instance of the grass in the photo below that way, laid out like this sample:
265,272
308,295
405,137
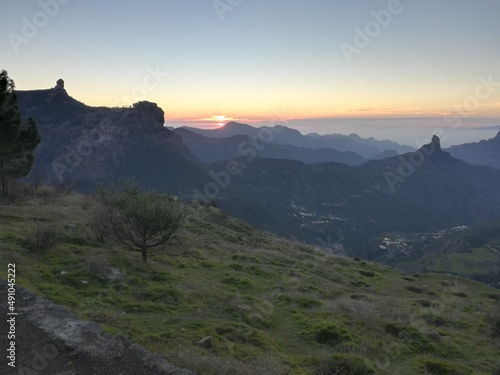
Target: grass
478,261
271,306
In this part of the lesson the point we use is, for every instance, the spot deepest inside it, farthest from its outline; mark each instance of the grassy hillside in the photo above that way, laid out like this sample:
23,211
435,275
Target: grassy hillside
479,258
466,252
269,305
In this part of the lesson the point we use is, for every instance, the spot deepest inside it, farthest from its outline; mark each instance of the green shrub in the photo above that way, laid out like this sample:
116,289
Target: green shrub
414,289
344,364
360,284
441,367
331,335
394,329
243,283
367,273
415,341
307,303
160,294
435,320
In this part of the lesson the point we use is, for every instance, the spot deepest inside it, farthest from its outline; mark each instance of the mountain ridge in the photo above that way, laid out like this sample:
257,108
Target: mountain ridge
288,136
211,150
485,152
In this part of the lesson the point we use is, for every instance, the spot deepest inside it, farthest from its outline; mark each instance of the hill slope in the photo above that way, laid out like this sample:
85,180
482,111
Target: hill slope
269,306
472,252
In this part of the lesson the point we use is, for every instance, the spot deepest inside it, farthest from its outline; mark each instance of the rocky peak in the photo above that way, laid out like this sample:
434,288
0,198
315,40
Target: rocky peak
59,84
149,114
59,88
433,148
437,142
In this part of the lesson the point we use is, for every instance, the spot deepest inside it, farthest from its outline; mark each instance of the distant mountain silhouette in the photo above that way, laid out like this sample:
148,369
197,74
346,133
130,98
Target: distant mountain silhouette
210,150
385,145
292,137
384,155
486,152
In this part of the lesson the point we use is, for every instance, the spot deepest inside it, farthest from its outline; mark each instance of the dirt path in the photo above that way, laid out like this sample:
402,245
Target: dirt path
49,340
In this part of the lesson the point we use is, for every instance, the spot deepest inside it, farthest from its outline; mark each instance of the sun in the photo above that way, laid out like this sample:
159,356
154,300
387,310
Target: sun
221,119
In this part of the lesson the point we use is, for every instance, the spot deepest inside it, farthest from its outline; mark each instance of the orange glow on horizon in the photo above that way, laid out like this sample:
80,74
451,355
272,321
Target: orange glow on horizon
381,113
305,105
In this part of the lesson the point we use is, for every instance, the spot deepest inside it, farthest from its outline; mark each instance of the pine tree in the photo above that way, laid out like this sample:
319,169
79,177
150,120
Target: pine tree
17,141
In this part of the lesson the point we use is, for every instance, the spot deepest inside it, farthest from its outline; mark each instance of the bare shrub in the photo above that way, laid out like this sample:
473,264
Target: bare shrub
86,201
37,182
42,239
18,192
65,187
138,220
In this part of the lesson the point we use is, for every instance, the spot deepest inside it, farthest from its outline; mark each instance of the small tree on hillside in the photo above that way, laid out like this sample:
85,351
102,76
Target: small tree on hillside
17,141
138,220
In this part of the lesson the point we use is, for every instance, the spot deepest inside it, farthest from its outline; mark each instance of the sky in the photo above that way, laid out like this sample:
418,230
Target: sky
330,65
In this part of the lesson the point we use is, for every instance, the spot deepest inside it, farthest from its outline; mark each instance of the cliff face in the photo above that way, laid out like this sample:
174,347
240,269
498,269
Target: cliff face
149,114
85,145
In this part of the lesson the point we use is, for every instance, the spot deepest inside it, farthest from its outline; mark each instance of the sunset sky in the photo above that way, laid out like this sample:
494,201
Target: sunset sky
206,61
